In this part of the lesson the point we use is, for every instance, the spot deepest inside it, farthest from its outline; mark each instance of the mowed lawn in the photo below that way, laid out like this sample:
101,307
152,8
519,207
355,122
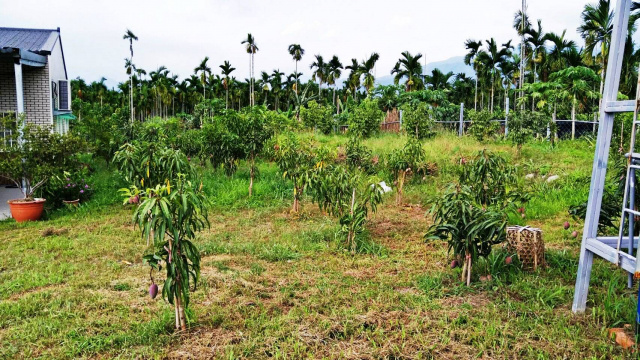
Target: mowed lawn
278,285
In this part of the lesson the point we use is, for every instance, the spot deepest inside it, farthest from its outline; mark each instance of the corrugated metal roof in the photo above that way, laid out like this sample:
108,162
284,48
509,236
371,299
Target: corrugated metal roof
34,40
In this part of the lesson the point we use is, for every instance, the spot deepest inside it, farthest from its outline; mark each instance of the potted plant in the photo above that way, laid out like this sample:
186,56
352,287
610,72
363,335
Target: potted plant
29,156
72,188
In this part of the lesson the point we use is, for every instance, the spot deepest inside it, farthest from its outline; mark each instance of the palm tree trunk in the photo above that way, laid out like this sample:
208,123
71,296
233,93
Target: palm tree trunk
131,96
297,84
535,69
253,90
475,100
492,92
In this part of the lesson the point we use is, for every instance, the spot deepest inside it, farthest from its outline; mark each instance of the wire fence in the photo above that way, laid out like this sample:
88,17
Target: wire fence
563,129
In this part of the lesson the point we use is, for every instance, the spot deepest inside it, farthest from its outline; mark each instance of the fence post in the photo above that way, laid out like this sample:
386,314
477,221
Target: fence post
553,118
400,119
506,117
461,129
573,129
595,120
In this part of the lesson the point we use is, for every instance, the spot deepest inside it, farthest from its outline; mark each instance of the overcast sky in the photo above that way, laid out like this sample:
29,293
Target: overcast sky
178,34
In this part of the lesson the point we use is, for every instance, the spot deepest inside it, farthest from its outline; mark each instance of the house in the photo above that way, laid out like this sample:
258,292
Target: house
33,77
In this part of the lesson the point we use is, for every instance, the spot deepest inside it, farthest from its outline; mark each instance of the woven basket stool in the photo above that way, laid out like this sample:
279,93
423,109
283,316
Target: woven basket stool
528,244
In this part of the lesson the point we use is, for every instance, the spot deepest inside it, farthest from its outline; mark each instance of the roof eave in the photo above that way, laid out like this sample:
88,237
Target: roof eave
25,57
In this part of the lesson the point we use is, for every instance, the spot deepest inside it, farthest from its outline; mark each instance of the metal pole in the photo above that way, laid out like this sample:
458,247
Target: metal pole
573,129
506,117
632,202
461,128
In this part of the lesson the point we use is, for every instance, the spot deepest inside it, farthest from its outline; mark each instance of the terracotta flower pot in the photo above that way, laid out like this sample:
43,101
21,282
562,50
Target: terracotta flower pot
71,202
22,210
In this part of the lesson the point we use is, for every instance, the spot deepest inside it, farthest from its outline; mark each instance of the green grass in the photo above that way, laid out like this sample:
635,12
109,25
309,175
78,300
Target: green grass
275,285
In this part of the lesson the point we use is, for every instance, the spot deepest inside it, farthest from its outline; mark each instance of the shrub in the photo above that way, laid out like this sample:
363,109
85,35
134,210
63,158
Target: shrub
69,186
417,121
192,143
364,120
482,128
41,155
317,116
360,156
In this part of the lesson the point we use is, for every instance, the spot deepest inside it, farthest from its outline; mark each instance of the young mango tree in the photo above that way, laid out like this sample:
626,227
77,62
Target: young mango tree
469,229
296,160
403,162
472,215
365,119
316,116
417,121
344,193
255,132
170,215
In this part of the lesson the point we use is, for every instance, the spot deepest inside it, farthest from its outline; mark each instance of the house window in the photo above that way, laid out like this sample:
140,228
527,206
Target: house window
8,128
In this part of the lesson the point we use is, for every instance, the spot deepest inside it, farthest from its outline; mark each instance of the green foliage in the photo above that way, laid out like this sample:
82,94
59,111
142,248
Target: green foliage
609,219
365,119
523,125
472,216
492,179
359,156
69,186
192,143
406,161
317,116
347,195
171,216
469,229
148,164
296,159
482,128
417,121
37,156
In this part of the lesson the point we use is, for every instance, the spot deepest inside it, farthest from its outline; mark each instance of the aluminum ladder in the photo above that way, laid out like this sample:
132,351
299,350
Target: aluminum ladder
608,248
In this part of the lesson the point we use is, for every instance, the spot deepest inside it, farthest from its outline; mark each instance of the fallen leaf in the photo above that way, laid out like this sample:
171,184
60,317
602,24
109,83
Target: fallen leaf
622,338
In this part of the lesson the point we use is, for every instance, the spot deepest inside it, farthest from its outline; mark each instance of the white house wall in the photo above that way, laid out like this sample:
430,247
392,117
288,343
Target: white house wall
56,63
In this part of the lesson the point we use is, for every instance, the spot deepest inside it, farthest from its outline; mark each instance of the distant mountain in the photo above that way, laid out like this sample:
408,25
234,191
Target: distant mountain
455,64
